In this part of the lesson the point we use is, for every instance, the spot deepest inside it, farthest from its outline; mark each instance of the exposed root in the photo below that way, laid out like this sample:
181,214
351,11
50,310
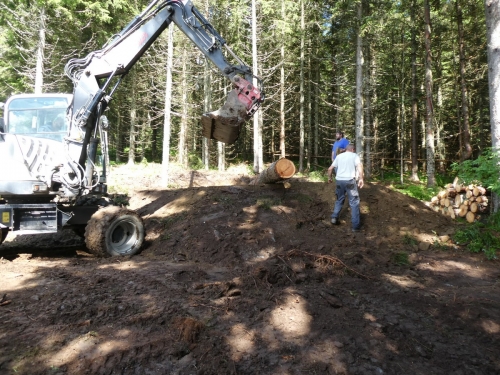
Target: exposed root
325,259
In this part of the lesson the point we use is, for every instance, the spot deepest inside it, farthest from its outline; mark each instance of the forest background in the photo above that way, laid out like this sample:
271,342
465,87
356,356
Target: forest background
407,81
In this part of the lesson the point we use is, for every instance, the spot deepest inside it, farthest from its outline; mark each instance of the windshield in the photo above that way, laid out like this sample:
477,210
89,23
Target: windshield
42,117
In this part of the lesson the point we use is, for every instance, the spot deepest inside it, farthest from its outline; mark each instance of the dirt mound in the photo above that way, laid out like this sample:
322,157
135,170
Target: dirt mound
243,279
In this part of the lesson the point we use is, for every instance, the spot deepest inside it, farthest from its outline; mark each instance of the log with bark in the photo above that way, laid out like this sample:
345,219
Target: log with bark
280,170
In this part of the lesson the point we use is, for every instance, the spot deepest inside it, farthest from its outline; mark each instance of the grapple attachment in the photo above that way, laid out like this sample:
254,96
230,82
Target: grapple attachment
225,124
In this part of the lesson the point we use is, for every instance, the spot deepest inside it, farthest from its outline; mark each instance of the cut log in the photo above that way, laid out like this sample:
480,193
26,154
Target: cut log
481,190
463,210
447,202
441,202
277,171
468,193
435,200
473,207
452,193
442,194
451,211
479,199
459,188
455,182
470,217
458,200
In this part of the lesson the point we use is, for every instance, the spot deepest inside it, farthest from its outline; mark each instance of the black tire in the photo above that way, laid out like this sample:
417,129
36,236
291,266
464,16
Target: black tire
3,234
114,231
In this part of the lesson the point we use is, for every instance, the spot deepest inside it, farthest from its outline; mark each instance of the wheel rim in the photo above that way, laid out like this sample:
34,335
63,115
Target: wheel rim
123,236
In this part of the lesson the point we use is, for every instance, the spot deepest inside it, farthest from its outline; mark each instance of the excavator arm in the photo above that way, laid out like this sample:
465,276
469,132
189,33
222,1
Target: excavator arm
97,76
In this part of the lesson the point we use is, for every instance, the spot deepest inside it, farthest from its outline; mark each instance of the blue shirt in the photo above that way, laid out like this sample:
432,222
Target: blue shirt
341,143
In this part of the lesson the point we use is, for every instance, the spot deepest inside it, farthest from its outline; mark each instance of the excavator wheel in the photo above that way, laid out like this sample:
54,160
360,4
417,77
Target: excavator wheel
114,231
3,234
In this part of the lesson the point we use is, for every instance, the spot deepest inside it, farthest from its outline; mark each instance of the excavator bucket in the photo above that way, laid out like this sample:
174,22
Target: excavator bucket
225,124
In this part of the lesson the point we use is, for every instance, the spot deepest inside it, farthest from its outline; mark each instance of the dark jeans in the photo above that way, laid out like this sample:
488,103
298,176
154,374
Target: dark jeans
351,188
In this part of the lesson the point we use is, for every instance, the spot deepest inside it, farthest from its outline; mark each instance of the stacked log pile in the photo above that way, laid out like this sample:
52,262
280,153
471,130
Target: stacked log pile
458,200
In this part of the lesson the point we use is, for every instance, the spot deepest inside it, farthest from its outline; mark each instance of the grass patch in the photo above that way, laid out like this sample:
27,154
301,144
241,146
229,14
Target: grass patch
418,191
267,203
401,258
481,237
408,239
317,176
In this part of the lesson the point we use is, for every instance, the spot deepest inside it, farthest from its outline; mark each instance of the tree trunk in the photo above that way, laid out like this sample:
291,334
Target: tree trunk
207,107
301,109
463,85
316,115
282,87
40,53
133,120
165,162
182,158
431,178
414,95
359,85
281,169
119,138
258,160
493,35
309,117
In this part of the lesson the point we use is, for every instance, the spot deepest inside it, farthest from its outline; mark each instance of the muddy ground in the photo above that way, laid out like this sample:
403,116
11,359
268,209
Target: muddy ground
241,279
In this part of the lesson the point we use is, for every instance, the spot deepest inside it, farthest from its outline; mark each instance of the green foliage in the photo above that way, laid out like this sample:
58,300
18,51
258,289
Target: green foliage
266,203
408,239
195,162
485,170
318,176
479,237
418,191
400,258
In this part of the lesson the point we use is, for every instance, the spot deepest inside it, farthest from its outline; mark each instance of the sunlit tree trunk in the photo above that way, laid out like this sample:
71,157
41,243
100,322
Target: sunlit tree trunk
431,179
258,164
40,53
133,121
119,138
359,84
493,36
165,159
368,123
282,87
182,152
206,108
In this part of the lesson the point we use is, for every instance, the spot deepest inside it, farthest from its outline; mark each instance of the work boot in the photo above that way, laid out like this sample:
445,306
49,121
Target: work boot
335,221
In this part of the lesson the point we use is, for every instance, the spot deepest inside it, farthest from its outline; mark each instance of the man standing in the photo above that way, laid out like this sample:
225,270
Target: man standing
340,142
347,165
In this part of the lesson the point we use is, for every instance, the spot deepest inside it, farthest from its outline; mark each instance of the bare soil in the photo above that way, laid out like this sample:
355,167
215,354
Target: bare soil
242,279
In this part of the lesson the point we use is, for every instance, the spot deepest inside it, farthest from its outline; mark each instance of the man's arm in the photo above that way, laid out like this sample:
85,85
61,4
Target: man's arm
330,172
361,175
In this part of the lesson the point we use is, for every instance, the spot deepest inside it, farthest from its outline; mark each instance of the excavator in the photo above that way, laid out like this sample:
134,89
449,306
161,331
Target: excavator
49,178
